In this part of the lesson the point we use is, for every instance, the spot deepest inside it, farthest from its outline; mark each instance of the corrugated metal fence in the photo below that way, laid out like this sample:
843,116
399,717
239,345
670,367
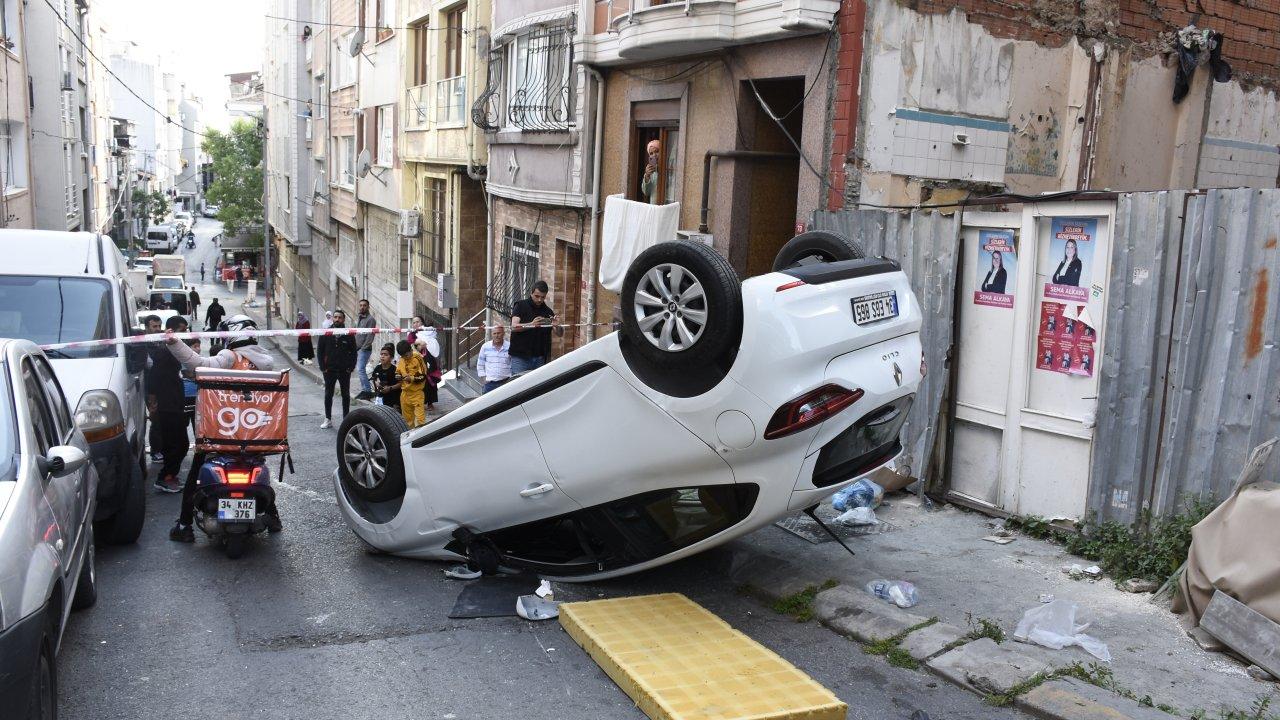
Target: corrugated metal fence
924,242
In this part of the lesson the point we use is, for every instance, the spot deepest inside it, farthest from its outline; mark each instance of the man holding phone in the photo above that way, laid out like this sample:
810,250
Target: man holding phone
531,321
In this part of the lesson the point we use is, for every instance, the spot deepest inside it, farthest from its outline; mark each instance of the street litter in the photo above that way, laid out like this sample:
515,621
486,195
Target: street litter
462,572
998,539
858,516
899,592
1093,571
1046,597
1054,626
863,493
544,590
532,607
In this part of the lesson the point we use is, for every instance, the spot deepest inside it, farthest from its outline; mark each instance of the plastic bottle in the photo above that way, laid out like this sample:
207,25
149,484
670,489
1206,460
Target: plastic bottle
863,493
899,592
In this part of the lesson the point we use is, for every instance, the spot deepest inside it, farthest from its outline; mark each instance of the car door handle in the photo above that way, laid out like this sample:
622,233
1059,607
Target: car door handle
537,490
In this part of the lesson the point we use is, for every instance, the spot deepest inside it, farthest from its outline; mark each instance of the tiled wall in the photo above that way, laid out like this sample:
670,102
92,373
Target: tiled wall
924,146
1235,163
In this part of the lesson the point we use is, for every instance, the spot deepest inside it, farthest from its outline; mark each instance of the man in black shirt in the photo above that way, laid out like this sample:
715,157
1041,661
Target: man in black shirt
214,314
531,321
336,355
166,404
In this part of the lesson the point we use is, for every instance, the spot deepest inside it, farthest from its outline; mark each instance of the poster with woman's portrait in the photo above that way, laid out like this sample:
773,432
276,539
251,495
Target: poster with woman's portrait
1070,259
1064,344
997,268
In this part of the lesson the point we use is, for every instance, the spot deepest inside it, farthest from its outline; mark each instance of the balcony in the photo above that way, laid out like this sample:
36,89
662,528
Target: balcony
451,100
417,109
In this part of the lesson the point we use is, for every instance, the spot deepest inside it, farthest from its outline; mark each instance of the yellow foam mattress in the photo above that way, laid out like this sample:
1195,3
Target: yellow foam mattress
678,661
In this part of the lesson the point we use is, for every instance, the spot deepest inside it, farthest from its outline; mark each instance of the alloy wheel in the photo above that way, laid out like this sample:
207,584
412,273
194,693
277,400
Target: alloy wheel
671,307
365,455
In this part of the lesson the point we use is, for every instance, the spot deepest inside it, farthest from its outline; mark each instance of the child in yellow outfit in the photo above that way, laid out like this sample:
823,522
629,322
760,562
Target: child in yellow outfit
413,371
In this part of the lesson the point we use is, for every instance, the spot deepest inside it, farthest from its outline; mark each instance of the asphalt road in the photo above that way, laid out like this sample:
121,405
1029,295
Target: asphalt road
310,625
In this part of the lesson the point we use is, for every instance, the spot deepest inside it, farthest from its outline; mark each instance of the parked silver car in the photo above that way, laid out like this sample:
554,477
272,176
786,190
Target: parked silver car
48,489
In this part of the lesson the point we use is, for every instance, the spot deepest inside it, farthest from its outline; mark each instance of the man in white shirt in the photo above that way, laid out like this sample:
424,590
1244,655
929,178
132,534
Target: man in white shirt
494,362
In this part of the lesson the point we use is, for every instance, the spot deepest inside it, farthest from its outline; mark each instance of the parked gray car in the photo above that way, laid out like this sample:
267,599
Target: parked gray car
48,489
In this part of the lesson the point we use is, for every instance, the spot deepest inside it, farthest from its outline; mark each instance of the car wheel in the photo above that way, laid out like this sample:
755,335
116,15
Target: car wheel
236,545
87,585
43,702
682,305
816,246
125,526
369,461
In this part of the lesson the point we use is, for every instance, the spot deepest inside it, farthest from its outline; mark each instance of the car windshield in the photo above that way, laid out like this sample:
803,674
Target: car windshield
56,310
8,432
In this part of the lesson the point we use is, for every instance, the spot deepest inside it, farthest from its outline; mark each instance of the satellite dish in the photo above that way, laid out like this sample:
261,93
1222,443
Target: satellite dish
363,163
357,42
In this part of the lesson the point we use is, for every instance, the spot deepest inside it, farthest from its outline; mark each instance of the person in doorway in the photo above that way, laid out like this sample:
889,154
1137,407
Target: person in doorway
242,352
166,406
996,277
1068,272
413,374
494,362
201,272
336,356
306,352
386,381
531,321
649,182
213,315
364,349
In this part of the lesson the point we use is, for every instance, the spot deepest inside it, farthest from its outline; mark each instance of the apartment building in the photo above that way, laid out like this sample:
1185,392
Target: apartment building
538,113
60,132
347,269
103,175
16,201
133,68
189,184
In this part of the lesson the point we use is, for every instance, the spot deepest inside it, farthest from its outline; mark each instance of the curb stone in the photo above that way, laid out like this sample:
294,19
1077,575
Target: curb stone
853,613
932,640
1072,699
988,668
769,577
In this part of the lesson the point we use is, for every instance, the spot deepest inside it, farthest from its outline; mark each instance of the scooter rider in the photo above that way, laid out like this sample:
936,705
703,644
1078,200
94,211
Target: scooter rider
242,352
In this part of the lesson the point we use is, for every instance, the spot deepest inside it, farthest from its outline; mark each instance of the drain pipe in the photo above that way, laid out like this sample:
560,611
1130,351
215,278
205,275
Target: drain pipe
593,250
732,154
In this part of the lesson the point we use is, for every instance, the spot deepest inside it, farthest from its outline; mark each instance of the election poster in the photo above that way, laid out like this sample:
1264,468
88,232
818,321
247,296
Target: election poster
997,269
1070,258
1064,344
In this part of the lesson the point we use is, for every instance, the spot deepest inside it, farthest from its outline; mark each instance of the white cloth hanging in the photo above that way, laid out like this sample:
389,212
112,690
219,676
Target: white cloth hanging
629,228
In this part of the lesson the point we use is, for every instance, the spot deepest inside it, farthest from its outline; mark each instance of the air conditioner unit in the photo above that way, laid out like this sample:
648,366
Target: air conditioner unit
694,236
410,223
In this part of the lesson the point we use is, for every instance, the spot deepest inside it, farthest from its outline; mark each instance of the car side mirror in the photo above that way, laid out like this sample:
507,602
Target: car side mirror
63,460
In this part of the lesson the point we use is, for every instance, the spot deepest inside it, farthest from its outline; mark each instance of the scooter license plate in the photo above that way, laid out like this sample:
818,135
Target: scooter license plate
234,510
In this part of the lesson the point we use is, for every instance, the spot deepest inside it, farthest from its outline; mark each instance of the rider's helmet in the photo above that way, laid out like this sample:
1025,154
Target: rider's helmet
239,324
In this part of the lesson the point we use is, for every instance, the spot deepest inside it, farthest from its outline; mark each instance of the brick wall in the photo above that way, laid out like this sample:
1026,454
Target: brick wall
844,110
1251,27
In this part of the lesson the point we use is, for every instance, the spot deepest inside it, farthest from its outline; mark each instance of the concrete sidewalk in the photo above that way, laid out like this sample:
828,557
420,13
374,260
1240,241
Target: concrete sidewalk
962,579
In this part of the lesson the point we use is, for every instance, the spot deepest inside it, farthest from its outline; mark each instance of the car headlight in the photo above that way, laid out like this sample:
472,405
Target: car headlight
98,415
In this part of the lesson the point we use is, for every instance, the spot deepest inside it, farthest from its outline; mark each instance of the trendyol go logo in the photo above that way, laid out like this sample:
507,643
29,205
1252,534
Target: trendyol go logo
232,420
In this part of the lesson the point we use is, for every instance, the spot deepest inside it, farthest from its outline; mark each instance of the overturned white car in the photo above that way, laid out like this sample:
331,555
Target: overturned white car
719,407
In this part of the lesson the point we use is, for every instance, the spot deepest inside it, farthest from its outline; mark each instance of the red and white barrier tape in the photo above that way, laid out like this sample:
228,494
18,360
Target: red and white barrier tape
322,332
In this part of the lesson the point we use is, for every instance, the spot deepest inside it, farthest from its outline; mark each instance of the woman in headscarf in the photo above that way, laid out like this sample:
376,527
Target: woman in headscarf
328,319
421,336
306,353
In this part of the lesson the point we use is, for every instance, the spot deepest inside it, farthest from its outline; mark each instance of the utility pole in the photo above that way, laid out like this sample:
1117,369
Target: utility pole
267,275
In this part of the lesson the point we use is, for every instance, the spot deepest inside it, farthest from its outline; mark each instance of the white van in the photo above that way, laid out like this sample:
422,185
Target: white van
66,286
163,238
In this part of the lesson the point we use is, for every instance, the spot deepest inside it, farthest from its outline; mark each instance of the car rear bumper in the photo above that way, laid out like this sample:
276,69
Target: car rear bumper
115,462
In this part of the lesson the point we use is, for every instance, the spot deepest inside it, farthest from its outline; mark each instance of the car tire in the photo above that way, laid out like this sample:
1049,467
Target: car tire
816,246
87,586
42,704
369,437
125,526
682,305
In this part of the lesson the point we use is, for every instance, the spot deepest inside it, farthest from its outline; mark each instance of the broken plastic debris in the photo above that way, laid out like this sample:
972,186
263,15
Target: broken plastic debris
858,516
998,539
1046,597
532,607
1093,571
899,592
462,572
544,590
1054,626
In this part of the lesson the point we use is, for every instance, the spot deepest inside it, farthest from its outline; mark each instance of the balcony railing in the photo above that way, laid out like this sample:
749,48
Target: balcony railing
416,107
451,100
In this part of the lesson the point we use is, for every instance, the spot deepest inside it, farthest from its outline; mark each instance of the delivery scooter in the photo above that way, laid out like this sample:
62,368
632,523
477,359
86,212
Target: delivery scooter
233,493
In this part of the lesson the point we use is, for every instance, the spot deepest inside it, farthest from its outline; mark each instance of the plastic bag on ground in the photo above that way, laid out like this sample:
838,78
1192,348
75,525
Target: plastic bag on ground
1053,625
858,516
899,592
863,493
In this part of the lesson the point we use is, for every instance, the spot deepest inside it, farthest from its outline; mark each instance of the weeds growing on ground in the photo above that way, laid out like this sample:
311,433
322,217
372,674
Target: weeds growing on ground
1258,711
983,628
890,647
800,605
1153,548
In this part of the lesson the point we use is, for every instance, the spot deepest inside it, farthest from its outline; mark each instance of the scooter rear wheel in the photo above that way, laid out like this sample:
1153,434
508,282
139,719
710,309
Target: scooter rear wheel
236,545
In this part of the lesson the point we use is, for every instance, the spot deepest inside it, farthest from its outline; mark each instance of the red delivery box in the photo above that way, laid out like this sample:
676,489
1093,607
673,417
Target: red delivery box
242,410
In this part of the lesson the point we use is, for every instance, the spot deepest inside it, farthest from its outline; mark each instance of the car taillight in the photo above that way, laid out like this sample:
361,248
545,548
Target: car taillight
810,409
788,286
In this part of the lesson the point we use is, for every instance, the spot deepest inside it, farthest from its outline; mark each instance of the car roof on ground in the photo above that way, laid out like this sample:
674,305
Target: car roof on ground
50,252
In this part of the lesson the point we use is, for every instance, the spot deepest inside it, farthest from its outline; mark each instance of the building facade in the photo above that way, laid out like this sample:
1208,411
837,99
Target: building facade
189,185
16,199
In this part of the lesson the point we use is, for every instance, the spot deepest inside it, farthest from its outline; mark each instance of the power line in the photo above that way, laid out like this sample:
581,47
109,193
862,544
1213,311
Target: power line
301,100
105,66
423,26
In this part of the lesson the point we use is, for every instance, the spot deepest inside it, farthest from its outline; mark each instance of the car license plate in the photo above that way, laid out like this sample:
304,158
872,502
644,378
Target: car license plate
873,308
237,510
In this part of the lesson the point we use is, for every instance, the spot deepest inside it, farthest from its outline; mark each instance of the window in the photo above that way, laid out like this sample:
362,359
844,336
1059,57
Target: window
322,100
13,156
383,13
345,161
345,70
429,246
539,79
518,269
455,20
288,194
654,180
41,417
73,203
57,401
9,26
48,310
451,89
385,140
421,37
